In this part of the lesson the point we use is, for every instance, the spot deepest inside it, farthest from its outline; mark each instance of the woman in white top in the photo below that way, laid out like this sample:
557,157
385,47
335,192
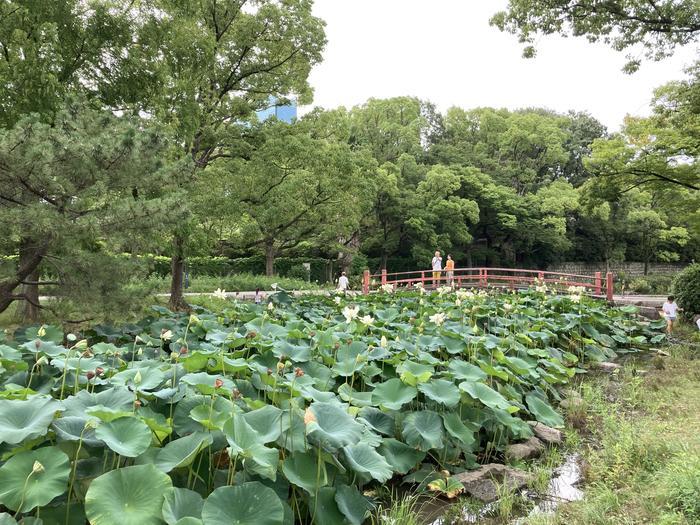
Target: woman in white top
670,309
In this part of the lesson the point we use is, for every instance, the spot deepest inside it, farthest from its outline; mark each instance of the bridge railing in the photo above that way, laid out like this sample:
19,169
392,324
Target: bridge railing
482,277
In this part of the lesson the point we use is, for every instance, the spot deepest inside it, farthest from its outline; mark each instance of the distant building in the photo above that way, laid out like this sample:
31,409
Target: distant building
284,112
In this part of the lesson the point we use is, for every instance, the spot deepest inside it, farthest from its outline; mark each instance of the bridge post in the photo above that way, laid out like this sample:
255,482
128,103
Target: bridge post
609,286
486,277
598,283
365,282
383,276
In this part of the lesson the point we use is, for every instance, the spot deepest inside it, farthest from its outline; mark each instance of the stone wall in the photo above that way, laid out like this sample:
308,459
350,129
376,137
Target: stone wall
630,269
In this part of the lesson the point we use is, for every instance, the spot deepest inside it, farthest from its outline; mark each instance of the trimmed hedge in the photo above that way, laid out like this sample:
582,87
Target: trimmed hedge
686,288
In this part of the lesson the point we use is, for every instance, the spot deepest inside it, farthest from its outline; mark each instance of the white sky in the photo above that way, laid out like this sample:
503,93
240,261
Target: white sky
445,51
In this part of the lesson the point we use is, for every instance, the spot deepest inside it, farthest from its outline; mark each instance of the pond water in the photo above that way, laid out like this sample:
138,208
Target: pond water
562,489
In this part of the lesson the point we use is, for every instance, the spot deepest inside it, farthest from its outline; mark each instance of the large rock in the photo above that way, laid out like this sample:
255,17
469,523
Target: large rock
548,435
607,367
573,402
531,448
483,483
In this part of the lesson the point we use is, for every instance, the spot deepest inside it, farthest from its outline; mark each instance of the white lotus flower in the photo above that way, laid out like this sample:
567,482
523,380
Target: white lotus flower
350,312
542,289
576,290
219,293
367,320
383,342
270,306
194,319
337,300
166,335
42,331
507,306
575,298
458,302
437,318
443,290
387,288
273,286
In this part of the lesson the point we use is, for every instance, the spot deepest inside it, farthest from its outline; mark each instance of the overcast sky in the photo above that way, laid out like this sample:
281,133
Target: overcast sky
446,52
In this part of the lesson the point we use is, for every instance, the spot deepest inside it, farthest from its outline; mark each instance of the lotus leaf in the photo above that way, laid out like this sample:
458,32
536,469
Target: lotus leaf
127,496
33,478
251,503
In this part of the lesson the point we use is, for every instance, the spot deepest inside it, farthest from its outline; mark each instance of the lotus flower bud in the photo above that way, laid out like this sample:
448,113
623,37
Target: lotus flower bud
99,371
42,360
137,403
37,468
269,371
42,331
137,377
37,344
218,383
90,374
236,394
298,372
309,416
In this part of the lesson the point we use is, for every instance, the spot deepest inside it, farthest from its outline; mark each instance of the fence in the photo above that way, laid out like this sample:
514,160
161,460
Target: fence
510,278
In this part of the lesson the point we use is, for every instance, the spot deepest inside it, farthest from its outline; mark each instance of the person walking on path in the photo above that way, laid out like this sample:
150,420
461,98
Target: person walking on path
343,283
670,309
450,270
258,296
437,268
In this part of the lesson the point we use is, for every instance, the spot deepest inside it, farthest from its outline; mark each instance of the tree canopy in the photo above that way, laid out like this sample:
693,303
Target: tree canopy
659,26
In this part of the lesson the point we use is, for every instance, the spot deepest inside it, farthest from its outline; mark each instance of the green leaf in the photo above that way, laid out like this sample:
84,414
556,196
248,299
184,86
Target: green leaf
302,469
364,459
543,412
23,420
400,456
34,478
423,430
127,496
393,394
414,373
487,395
466,371
378,421
333,426
181,503
326,508
127,436
441,391
182,452
354,506
251,503
458,430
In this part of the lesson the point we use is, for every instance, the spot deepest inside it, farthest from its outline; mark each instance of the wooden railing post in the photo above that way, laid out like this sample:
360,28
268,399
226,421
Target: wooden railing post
486,277
609,286
598,283
365,282
383,276
422,278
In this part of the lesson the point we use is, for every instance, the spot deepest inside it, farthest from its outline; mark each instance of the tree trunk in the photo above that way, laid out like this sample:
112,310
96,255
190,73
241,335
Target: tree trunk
31,254
29,311
270,254
384,260
177,270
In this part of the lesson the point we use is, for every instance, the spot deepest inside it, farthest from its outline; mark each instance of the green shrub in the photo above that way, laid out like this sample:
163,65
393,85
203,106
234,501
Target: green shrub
640,286
686,288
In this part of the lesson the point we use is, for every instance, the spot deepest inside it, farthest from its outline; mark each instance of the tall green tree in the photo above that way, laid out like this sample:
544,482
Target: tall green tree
293,189
659,26
70,186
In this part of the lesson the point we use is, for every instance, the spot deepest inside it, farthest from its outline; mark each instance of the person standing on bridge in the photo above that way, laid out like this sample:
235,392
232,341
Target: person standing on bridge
450,270
437,268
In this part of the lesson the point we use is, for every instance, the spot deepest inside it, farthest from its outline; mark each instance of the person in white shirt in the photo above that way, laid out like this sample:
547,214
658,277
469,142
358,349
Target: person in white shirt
343,283
437,268
670,309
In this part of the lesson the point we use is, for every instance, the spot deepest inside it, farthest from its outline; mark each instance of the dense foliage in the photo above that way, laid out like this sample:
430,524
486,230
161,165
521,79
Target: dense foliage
130,127
286,411
686,287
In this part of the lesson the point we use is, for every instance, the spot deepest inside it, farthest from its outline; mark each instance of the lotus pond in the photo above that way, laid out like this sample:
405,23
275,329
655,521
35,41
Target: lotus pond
290,412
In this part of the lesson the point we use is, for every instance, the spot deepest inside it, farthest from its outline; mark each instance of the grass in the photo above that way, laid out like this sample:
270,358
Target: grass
640,440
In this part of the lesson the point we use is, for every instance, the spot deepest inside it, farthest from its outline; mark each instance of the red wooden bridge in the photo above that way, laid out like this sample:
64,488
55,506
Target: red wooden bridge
508,278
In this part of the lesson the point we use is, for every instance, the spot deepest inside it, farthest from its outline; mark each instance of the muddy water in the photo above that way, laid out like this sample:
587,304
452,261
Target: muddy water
562,489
